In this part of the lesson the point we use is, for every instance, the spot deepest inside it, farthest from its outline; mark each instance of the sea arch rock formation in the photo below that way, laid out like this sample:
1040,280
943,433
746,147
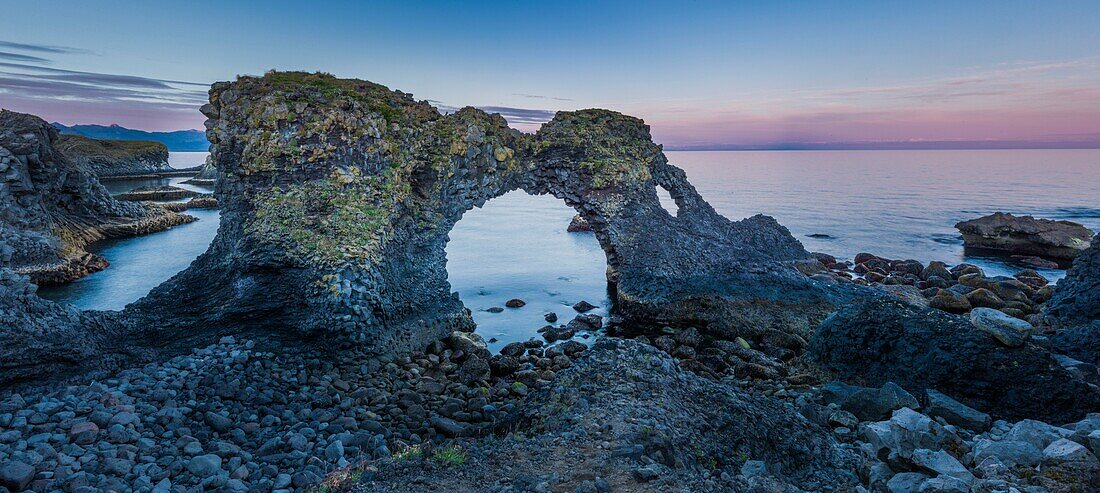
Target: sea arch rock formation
337,196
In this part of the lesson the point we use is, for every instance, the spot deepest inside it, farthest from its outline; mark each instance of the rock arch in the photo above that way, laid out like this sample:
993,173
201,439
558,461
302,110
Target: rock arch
337,196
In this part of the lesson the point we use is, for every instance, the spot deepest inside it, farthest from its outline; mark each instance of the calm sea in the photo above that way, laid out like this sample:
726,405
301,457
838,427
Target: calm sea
898,204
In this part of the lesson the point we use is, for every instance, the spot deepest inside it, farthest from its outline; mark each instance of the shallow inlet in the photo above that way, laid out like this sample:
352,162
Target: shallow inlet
141,263
517,247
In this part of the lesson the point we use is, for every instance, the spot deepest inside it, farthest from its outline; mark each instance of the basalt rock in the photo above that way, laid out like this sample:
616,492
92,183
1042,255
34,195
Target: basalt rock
51,207
1025,235
1074,309
338,195
883,340
157,193
115,158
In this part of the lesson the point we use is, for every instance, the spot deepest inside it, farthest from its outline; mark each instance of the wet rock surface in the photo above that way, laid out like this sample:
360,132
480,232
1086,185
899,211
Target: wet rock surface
1026,235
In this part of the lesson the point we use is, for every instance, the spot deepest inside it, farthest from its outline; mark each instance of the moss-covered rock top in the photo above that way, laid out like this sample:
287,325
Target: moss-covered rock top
613,147
81,146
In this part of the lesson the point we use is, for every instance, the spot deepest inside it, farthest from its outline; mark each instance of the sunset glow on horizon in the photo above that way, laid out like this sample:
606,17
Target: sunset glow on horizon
705,75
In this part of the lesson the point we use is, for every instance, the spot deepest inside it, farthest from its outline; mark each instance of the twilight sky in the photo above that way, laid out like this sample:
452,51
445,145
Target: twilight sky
702,74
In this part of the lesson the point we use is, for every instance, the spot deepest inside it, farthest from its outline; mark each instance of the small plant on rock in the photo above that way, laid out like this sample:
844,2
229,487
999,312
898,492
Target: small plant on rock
450,456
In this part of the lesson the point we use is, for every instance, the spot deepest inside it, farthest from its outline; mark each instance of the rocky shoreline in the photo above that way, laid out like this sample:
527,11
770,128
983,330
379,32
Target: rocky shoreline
317,345
52,206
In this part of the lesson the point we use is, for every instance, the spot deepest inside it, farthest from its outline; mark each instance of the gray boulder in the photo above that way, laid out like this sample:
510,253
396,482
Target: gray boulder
1009,452
956,413
869,404
1006,329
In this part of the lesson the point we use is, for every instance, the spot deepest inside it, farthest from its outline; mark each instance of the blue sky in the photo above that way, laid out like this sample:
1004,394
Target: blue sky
700,73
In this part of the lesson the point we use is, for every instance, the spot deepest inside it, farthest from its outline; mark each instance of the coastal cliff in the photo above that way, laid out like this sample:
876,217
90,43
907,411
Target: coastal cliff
115,158
52,207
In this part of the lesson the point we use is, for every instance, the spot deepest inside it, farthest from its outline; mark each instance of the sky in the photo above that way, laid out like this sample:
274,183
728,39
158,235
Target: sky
702,74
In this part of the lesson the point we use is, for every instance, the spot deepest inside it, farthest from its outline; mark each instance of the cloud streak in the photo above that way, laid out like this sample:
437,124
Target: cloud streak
4,55
59,50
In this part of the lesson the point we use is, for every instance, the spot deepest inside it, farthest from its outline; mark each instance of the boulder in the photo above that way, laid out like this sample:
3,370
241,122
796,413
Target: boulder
1026,235
956,413
579,225
883,340
1010,331
950,302
869,404
1011,453
1077,297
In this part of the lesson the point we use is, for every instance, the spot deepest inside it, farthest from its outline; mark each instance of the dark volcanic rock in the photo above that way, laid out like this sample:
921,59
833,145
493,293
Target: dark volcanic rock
157,193
884,340
578,225
1076,299
667,427
52,207
115,158
1025,235
1074,308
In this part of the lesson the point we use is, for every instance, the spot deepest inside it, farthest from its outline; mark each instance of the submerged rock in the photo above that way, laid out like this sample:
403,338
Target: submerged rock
1026,235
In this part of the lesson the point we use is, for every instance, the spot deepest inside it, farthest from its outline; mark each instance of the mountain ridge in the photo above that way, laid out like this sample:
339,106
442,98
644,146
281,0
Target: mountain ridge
178,140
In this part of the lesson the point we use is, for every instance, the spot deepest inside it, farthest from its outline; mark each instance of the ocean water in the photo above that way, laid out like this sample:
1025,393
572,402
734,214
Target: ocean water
897,204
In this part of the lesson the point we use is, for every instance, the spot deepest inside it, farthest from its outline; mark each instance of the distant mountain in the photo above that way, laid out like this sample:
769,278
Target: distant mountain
179,140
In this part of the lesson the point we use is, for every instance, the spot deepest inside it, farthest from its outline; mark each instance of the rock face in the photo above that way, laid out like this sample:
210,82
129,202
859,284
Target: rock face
115,158
1026,235
884,340
337,197
1074,308
51,207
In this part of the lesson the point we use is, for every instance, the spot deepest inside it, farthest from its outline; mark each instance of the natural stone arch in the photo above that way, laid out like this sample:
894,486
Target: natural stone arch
337,196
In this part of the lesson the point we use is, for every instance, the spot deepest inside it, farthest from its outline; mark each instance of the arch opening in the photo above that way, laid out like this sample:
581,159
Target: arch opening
516,246
668,203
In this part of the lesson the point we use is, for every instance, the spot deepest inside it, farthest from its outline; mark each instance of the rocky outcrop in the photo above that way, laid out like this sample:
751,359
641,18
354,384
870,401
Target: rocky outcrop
115,158
337,197
578,225
200,202
52,207
208,175
884,340
157,193
1076,301
1074,309
1026,235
